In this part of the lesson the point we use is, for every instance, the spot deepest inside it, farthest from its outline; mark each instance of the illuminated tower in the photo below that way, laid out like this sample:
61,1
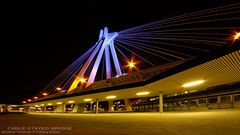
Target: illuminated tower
104,49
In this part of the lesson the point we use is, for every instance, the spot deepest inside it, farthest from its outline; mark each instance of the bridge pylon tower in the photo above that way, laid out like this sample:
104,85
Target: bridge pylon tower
104,49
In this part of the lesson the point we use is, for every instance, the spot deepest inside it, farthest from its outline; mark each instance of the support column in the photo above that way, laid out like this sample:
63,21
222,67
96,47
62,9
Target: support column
63,108
197,102
58,109
219,101
232,100
173,104
127,105
207,103
115,58
85,66
160,101
79,108
110,106
30,109
6,107
96,108
108,63
44,108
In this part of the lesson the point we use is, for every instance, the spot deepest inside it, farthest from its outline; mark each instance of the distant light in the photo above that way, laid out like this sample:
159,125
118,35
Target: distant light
87,99
58,88
29,100
42,104
236,36
193,91
44,94
185,92
49,104
131,64
70,101
83,80
151,99
193,83
35,97
142,93
59,103
24,102
110,97
63,91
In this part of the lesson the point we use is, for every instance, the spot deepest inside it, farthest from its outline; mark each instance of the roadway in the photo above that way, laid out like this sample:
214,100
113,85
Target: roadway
212,122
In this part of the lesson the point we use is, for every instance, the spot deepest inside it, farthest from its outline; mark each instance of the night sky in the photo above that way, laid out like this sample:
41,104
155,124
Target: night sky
41,38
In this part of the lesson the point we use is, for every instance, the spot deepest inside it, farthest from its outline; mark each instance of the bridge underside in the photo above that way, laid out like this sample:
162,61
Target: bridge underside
219,71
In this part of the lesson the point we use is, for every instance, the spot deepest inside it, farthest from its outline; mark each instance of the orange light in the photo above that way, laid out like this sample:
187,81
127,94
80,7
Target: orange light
29,100
58,88
83,80
35,97
236,36
44,94
131,65
24,102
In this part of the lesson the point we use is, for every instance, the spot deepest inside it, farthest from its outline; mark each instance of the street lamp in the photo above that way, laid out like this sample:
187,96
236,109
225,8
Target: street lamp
193,83
70,101
87,99
131,65
59,103
236,36
44,94
83,80
111,97
142,93
58,88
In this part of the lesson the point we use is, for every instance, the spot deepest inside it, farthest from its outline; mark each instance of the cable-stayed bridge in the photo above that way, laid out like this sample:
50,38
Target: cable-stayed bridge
138,54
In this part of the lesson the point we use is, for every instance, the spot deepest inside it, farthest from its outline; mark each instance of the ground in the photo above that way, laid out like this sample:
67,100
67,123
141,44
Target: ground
212,122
